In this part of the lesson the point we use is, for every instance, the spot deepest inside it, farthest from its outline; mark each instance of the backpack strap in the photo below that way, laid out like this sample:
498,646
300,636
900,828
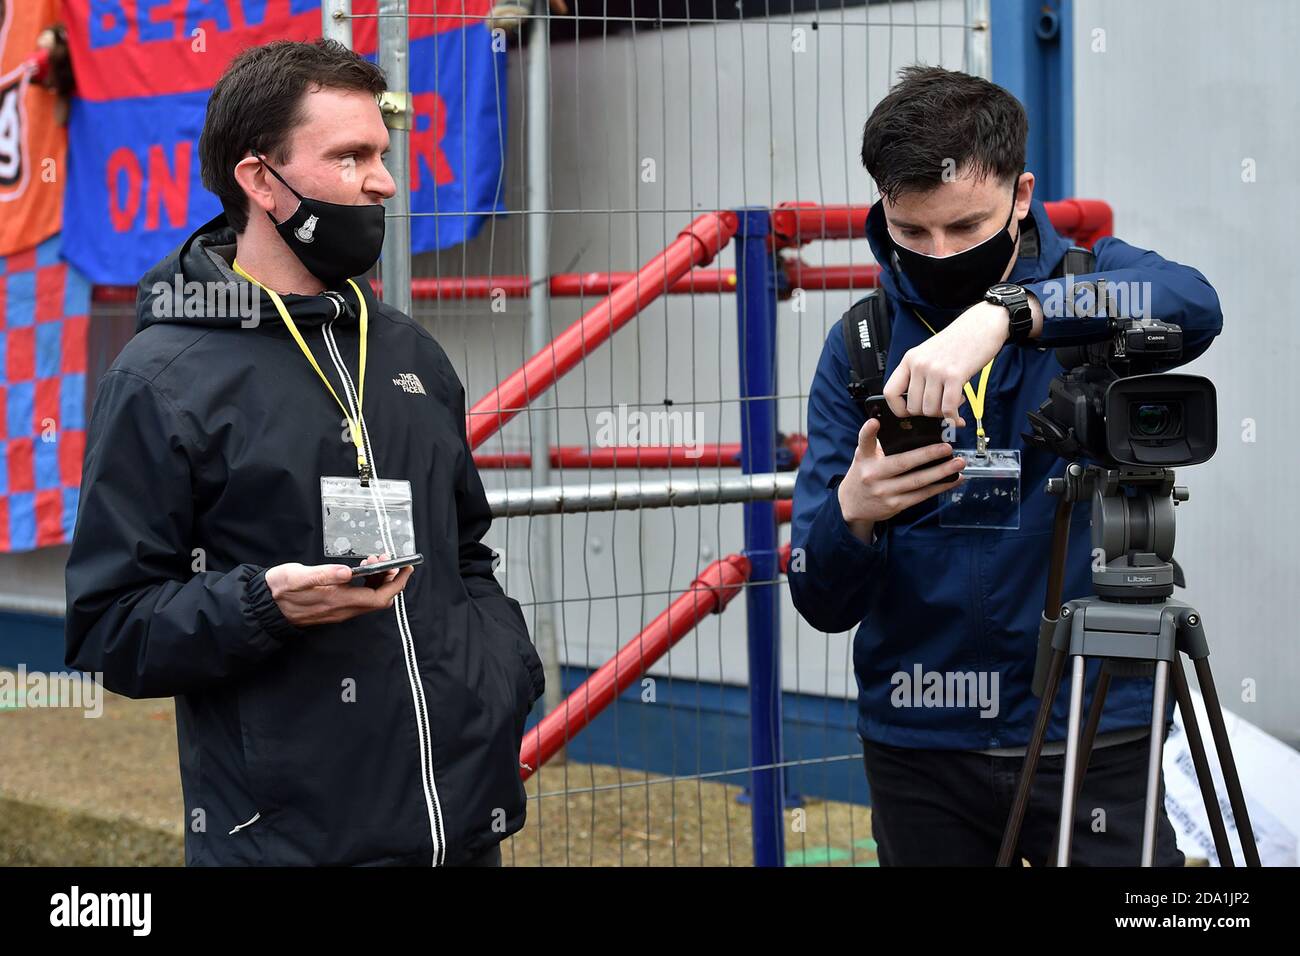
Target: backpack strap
866,330
1077,261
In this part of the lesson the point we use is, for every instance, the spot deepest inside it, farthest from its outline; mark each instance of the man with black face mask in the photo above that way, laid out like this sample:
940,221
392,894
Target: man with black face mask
946,599
270,427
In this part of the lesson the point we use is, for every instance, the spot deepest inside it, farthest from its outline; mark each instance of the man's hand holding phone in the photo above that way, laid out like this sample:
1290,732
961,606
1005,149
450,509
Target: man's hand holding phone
879,486
324,593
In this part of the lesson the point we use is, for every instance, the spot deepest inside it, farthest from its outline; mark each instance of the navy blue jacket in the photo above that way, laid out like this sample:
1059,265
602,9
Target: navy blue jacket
957,600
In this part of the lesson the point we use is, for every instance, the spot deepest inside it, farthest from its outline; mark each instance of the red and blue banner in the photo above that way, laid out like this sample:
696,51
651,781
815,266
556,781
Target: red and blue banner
144,69
44,308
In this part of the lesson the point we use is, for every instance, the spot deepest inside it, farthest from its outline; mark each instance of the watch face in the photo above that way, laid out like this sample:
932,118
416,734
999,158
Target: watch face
1004,288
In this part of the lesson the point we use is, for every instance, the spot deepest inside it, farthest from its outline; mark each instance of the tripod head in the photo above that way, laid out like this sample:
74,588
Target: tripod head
1132,529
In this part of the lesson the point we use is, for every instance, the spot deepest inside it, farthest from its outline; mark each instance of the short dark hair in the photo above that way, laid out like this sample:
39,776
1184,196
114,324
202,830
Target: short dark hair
933,116
259,100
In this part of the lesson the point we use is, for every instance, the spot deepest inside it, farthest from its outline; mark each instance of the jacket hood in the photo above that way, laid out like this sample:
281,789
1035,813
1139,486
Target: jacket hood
196,285
1041,250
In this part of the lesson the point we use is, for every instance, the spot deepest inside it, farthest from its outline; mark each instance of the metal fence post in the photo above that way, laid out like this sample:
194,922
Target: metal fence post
395,264
540,335
756,314
336,21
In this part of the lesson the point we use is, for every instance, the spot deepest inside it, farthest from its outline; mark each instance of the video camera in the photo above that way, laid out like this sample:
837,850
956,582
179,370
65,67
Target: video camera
1109,405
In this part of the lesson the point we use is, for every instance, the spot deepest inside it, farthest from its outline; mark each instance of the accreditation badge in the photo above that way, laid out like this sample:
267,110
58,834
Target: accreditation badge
989,497
355,517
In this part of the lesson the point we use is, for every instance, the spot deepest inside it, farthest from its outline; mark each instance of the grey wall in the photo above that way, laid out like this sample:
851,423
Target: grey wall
1185,93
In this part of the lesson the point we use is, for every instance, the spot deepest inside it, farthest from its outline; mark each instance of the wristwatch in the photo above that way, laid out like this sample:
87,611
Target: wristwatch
1016,301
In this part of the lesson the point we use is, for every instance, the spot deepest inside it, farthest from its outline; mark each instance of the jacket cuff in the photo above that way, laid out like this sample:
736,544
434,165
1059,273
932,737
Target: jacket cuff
836,543
1065,321
260,606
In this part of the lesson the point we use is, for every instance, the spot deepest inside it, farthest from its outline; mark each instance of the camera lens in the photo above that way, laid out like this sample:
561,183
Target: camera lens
1155,419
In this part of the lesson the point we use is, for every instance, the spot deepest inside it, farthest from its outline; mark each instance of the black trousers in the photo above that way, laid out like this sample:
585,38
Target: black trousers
949,808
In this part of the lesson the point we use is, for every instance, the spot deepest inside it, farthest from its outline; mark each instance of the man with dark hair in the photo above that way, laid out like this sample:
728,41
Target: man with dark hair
270,426
947,602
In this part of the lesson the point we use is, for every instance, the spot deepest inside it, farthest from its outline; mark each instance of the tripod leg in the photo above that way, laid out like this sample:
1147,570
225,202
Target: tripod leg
1090,729
1071,767
1159,697
1011,835
1196,744
1089,736
1219,730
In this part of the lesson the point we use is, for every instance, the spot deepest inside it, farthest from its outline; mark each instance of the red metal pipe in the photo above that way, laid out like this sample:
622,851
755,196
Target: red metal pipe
1083,220
725,455
695,245
783,558
798,223
622,456
563,285
793,224
708,594
816,278
784,511
699,281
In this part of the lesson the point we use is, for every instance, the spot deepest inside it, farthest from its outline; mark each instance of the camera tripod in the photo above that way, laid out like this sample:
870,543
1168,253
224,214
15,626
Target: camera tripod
1133,625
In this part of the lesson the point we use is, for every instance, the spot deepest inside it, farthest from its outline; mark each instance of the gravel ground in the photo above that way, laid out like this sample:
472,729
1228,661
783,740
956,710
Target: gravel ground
106,792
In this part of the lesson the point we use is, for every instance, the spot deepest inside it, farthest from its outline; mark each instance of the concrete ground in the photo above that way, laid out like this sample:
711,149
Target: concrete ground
106,792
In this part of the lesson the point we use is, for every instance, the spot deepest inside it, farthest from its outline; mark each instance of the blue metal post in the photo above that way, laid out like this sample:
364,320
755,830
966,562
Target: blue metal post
756,311
1033,57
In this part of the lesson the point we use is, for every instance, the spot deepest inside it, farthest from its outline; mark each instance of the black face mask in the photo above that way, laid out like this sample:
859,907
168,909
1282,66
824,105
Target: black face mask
961,279
335,242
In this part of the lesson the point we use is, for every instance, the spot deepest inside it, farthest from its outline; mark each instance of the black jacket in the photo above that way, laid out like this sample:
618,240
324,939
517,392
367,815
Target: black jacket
391,738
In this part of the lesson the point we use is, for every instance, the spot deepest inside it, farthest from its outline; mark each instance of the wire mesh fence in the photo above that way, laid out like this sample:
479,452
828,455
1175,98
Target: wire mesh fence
619,127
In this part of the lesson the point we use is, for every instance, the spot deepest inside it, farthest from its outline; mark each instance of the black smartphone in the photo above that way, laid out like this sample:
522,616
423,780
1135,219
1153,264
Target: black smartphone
379,567
898,435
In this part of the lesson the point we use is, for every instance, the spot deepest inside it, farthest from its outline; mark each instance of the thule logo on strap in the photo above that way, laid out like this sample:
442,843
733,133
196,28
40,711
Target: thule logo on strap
864,334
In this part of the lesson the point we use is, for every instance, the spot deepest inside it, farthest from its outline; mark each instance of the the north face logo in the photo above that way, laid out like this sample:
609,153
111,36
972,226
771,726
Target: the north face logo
409,382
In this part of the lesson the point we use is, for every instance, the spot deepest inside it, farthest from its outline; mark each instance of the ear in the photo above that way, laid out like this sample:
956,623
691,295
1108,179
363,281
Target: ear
1024,194
253,179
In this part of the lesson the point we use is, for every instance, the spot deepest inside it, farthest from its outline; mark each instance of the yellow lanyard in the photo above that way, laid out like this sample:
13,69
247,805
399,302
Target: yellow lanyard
354,424
976,396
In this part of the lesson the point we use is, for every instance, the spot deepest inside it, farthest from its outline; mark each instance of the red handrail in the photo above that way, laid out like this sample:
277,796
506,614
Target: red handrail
696,245
708,594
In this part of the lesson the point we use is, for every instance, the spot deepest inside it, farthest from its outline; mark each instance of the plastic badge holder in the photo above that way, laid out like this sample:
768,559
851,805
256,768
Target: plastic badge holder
989,494
352,521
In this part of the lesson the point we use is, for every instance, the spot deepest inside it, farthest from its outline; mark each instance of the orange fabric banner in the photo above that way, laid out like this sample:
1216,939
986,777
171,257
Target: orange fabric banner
33,144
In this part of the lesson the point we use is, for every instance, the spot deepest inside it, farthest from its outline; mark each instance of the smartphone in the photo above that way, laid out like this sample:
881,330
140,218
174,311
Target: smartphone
898,435
379,567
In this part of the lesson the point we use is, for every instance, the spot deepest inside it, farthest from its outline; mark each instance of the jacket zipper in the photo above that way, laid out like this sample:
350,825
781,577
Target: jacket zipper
403,624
